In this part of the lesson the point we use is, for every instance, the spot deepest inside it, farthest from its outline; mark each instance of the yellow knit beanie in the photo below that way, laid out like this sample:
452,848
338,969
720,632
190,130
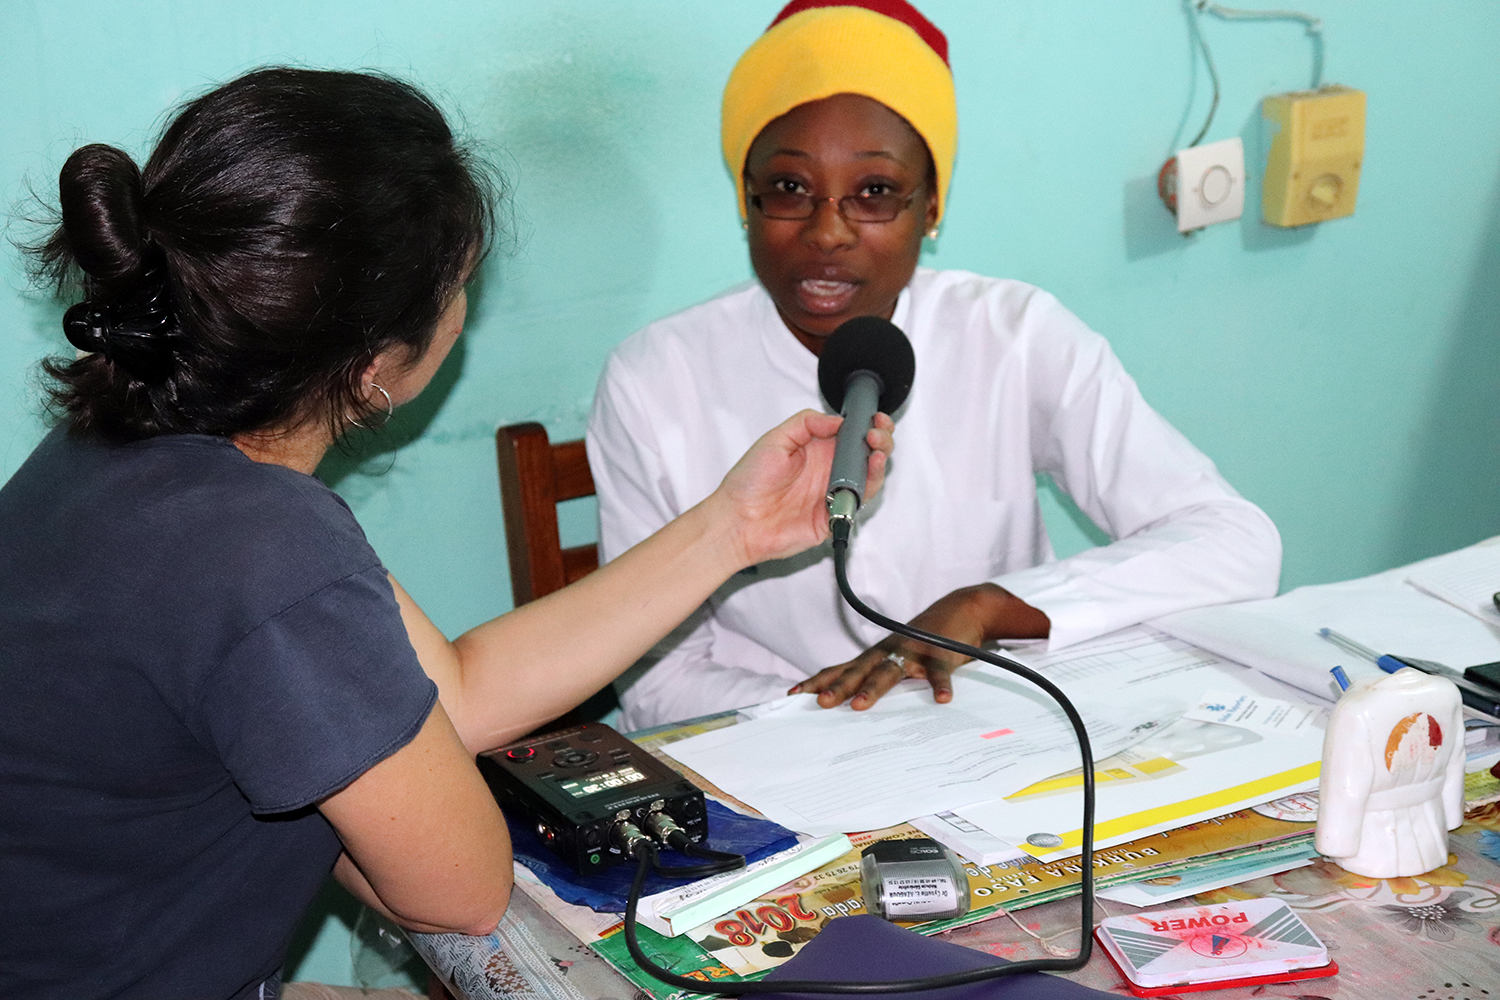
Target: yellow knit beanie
882,49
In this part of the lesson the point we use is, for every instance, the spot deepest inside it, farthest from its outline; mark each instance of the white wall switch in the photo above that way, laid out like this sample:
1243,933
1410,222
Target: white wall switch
1210,184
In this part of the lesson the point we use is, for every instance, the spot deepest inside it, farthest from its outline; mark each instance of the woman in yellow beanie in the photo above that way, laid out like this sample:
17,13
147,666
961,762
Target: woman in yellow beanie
840,130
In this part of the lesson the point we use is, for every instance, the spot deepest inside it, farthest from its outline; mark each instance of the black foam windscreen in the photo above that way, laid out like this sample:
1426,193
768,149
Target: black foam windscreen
867,343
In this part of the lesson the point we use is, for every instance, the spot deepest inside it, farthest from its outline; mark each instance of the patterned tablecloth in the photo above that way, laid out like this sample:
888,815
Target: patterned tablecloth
1432,937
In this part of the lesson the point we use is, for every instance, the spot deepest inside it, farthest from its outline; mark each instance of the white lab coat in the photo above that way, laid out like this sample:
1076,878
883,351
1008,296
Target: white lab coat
1008,384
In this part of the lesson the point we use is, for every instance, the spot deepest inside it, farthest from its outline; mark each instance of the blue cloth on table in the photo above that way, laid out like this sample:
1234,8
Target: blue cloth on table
607,891
866,949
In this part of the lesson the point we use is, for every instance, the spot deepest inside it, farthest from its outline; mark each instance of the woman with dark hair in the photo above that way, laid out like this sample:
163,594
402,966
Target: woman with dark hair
840,132
211,693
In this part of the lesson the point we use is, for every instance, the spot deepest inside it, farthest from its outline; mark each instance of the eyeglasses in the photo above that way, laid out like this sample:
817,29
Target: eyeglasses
794,206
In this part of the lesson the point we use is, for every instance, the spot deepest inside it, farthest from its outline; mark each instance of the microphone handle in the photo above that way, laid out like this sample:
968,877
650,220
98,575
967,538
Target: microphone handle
851,456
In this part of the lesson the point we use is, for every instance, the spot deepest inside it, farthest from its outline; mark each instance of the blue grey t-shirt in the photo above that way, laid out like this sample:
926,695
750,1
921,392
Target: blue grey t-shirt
194,650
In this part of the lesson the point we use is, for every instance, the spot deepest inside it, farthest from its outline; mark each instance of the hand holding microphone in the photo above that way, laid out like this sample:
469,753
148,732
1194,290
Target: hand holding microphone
773,503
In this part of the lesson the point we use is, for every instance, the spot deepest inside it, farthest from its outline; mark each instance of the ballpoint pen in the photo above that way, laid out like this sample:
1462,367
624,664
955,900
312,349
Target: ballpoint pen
1476,696
1485,677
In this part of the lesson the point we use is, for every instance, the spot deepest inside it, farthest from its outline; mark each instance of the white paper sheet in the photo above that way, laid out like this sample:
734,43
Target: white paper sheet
1280,635
835,770
975,845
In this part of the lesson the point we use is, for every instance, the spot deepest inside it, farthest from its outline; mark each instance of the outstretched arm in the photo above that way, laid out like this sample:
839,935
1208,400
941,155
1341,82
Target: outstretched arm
1182,537
973,615
507,676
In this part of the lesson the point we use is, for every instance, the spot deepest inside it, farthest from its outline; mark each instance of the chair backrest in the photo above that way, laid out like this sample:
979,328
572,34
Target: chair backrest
535,476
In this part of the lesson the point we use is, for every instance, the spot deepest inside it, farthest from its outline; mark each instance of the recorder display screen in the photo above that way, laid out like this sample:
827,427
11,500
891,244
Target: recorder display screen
582,787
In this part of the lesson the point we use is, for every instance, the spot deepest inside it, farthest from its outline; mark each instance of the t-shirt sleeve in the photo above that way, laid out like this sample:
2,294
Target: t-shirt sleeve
316,695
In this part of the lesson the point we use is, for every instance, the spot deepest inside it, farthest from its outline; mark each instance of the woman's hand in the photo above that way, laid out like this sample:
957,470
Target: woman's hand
776,493
972,615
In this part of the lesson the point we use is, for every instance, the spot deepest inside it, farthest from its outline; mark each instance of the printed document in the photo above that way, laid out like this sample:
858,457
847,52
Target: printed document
836,770
1201,770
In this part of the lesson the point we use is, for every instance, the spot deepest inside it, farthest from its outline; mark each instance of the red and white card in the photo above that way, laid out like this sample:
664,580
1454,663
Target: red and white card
1213,947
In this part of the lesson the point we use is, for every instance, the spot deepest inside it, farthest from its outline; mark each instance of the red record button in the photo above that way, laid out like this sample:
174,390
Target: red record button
521,754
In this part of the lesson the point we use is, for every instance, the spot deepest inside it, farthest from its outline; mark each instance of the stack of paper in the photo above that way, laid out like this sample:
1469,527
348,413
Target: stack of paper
978,834
822,771
1193,736
1385,612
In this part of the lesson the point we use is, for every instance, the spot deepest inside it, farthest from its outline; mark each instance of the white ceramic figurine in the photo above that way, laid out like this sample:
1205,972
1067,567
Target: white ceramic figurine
1392,783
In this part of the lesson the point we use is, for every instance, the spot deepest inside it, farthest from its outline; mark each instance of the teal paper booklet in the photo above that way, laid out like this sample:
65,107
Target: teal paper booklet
678,910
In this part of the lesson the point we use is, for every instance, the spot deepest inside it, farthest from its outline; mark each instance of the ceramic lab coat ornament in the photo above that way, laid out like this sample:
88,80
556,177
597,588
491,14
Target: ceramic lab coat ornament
1392,782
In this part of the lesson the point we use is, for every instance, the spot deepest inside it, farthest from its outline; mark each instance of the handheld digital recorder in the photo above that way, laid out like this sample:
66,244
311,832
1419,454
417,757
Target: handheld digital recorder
577,786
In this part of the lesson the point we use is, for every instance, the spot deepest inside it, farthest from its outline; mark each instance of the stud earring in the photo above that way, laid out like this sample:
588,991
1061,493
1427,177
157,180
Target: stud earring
932,233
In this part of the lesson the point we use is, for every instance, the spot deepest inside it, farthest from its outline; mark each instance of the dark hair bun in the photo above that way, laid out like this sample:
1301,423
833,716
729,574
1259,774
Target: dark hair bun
101,194
290,227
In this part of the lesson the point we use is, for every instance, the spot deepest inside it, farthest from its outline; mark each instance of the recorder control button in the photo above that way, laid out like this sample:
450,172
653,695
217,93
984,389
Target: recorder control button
521,754
575,758
557,744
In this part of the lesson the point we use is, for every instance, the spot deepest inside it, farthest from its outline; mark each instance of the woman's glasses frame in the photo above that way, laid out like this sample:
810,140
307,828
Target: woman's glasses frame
789,206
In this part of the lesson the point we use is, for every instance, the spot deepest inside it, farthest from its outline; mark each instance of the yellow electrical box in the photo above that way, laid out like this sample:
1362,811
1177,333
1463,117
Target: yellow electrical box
1312,172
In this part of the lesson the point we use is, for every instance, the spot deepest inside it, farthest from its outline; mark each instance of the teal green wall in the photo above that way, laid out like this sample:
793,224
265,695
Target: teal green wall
1343,376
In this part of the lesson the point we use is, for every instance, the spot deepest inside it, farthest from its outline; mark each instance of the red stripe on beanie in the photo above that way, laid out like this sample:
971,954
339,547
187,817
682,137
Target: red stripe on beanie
897,10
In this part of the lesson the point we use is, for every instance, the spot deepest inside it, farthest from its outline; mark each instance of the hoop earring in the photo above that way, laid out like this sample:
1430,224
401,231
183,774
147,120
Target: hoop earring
390,408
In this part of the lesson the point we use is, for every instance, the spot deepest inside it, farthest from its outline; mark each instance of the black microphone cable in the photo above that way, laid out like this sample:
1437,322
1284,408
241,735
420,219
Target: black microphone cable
665,829
645,851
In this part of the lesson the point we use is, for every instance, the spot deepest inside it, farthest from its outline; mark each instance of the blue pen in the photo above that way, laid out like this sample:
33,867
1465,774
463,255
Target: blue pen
1473,695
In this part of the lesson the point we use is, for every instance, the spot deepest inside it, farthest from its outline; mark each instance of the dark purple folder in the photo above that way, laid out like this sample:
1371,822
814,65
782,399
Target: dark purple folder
869,949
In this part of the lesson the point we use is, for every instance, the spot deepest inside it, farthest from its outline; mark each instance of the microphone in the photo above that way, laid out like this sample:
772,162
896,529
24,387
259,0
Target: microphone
866,365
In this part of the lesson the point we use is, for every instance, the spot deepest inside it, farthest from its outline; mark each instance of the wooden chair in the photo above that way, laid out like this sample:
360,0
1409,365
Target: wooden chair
535,476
